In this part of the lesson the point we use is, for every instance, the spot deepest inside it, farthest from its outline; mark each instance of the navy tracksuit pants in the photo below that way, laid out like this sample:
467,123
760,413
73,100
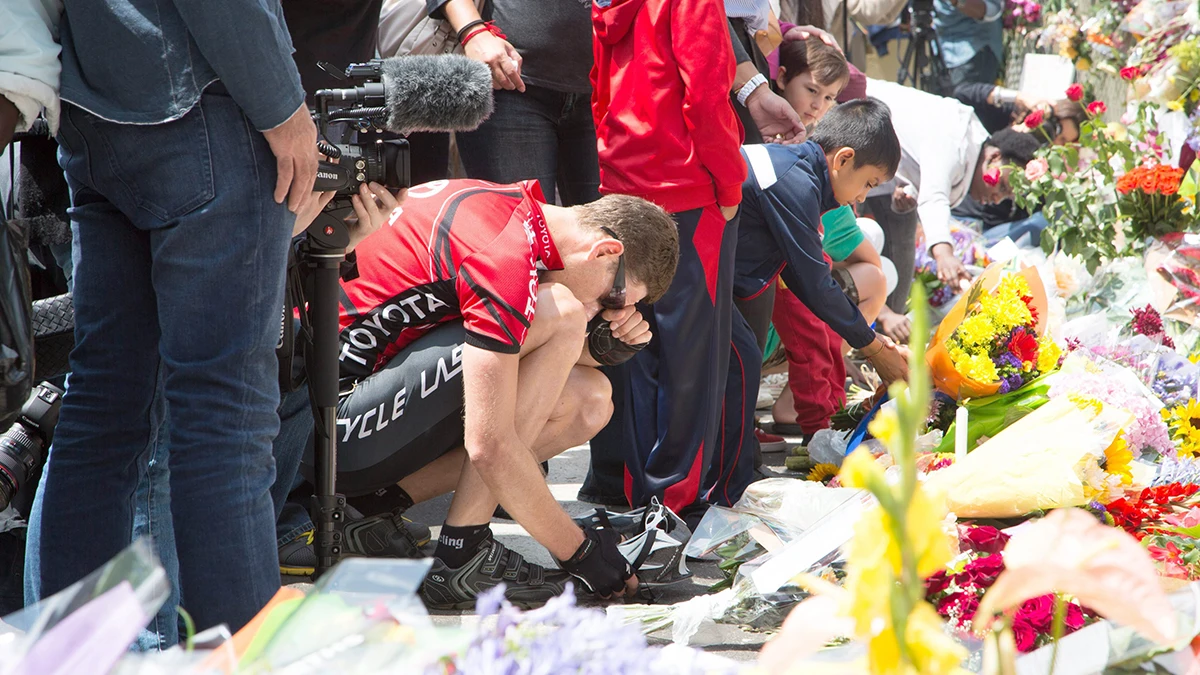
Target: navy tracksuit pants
670,420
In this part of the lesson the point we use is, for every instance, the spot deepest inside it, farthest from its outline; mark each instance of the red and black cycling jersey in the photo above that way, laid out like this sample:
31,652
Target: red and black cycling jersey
456,249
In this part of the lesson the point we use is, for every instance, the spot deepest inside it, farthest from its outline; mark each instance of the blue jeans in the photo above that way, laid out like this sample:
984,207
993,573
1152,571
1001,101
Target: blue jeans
542,134
179,265
1033,226
295,432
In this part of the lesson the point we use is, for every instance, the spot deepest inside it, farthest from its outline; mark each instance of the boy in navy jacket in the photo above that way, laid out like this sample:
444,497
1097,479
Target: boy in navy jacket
789,187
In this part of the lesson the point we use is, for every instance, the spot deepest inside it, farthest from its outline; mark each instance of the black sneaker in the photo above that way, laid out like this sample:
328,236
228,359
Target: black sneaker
526,584
298,558
388,535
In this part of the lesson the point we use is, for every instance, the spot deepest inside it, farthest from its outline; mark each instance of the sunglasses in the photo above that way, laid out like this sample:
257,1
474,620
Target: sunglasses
615,298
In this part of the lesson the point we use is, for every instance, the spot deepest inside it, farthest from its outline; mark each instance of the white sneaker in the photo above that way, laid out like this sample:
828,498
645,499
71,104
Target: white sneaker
769,389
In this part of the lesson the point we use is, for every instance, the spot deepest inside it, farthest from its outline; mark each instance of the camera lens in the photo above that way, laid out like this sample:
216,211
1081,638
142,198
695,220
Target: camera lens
394,154
20,454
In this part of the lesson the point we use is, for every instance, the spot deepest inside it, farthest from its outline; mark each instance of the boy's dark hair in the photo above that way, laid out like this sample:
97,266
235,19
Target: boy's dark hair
1015,147
649,233
865,126
826,64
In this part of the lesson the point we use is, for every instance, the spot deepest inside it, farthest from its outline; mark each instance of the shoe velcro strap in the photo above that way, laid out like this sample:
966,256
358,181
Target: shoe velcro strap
512,571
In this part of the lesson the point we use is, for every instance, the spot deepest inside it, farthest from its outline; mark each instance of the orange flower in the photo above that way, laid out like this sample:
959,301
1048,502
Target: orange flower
1127,183
1148,182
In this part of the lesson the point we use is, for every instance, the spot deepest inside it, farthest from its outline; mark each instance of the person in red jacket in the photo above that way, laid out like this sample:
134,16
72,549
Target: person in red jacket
667,132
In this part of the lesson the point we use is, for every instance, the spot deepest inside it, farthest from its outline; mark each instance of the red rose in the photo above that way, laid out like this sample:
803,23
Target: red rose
1034,119
1023,346
984,538
959,607
1074,619
1039,612
983,571
1075,92
1096,108
1024,634
937,583
1130,73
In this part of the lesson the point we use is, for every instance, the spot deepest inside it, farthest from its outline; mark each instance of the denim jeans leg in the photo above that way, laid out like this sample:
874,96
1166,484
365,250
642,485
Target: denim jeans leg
518,142
204,252
578,164
295,432
152,518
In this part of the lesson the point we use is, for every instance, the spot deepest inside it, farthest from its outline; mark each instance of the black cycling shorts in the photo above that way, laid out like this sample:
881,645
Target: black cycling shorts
401,417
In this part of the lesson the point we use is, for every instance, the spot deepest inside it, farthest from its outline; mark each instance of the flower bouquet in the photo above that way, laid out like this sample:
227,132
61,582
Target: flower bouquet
956,591
1066,453
992,340
1149,198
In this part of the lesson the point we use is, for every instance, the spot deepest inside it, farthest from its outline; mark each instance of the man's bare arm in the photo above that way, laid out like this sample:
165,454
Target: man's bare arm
506,464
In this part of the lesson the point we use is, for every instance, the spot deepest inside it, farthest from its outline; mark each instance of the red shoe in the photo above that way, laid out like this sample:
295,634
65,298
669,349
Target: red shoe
770,442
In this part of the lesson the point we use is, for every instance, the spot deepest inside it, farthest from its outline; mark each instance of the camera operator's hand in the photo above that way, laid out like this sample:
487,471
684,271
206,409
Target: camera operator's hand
628,326
599,565
372,206
501,57
310,210
775,118
9,116
294,144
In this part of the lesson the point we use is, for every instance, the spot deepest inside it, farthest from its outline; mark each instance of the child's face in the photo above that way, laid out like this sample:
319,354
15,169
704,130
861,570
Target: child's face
809,99
851,182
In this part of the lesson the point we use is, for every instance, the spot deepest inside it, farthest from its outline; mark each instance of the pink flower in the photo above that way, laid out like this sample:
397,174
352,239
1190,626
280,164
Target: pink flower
1036,168
1189,519
1074,618
992,177
1075,92
1096,108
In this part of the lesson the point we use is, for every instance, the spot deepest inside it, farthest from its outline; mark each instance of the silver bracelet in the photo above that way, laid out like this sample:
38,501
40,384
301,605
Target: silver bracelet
1004,96
754,83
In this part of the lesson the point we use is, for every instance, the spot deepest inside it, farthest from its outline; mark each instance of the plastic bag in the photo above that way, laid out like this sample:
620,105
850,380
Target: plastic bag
16,323
103,611
988,416
946,377
1033,465
1173,270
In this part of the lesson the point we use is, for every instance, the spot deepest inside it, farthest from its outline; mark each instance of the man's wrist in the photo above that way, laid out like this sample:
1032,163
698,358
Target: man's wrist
570,546
759,80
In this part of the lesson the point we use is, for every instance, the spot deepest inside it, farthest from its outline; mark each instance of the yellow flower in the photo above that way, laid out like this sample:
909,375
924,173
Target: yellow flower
934,652
1184,421
885,426
976,330
1117,458
822,472
979,367
1048,354
1195,96
1195,357
859,469
1086,403
1082,65
1175,105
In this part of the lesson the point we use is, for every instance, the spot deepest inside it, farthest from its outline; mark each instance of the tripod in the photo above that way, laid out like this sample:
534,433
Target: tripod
922,64
328,238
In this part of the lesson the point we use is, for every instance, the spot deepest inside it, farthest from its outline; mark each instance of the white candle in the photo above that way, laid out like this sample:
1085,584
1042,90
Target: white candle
960,433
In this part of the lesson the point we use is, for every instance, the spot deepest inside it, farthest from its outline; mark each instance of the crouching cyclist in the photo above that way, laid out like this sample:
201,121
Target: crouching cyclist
466,361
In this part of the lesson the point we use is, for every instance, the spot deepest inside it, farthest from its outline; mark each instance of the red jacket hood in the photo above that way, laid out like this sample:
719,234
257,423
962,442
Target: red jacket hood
613,22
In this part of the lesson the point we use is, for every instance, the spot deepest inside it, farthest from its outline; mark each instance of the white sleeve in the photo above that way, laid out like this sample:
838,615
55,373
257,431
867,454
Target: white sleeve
938,168
29,65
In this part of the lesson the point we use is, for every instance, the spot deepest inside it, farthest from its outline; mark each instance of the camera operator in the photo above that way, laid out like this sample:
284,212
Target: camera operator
181,240
972,38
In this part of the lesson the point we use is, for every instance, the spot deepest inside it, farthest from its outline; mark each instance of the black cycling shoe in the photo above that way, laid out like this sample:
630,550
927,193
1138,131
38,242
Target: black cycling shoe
388,535
526,584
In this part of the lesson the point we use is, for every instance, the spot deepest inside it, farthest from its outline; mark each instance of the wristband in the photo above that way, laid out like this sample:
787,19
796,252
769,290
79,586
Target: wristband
606,349
470,24
487,27
754,83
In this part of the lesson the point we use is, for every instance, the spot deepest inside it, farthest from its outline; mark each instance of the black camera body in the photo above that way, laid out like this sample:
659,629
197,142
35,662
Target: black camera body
362,108
23,446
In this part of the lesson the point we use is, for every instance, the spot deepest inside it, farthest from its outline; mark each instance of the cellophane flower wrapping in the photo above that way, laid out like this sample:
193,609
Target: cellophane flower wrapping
993,340
1173,267
1040,462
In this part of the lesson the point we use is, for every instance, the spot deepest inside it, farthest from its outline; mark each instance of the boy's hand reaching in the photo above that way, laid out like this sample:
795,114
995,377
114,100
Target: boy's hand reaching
889,360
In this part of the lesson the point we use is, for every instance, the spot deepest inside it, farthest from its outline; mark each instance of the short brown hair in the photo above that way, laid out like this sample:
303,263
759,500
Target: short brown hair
812,55
650,236
1066,109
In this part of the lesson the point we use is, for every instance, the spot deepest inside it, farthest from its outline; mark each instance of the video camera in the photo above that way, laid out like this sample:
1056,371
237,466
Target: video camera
362,107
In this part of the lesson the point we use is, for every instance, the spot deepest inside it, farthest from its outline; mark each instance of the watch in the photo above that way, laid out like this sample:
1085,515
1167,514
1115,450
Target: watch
755,82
